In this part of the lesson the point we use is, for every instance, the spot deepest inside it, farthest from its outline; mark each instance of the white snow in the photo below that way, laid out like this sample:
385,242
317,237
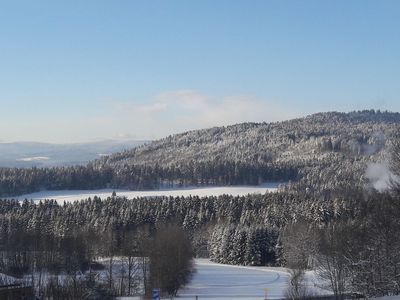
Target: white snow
6,279
217,281
74,195
214,281
35,158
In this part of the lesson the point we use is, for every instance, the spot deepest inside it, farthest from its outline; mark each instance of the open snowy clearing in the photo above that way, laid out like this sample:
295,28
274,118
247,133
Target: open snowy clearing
213,281
223,282
74,195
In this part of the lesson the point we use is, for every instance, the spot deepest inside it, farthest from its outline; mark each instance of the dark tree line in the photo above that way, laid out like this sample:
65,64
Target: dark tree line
356,255
79,262
136,177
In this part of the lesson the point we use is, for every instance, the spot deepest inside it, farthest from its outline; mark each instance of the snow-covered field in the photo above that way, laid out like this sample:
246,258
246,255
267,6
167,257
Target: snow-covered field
74,195
217,281
214,281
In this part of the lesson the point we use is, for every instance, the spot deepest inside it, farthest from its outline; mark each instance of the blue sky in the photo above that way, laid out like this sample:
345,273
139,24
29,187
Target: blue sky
87,70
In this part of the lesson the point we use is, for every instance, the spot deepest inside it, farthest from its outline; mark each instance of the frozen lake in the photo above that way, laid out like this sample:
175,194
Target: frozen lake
74,195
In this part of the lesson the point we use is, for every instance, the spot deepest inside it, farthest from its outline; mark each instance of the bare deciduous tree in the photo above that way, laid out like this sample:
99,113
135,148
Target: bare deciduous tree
297,286
299,244
332,265
170,260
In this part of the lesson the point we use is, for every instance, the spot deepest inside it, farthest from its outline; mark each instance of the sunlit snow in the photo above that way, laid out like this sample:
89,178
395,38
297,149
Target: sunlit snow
216,281
222,282
74,195
34,158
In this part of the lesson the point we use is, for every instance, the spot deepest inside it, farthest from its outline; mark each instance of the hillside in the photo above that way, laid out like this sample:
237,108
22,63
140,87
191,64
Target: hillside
352,134
335,147
320,152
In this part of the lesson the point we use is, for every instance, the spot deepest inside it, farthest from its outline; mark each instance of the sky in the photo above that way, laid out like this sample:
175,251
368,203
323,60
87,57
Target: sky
79,71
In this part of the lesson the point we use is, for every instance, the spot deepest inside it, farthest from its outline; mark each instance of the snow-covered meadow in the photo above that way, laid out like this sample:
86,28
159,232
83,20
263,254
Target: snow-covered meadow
75,195
213,281
217,281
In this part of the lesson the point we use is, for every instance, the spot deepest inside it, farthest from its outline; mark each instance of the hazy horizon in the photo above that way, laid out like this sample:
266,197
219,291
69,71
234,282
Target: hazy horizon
128,139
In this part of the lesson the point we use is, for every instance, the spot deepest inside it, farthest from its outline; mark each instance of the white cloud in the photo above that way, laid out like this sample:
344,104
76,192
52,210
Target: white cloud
182,110
149,108
35,158
162,115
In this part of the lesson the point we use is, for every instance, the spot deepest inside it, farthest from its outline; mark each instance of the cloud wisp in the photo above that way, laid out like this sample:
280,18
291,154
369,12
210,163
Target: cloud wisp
182,110
164,114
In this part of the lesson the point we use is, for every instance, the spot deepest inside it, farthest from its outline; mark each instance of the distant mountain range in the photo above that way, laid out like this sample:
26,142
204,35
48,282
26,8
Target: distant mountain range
30,154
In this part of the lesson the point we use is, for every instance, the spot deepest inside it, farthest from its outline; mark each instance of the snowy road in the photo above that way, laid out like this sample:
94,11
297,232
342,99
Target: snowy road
220,282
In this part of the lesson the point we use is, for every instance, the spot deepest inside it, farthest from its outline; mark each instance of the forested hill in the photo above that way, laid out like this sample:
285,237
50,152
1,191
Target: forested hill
353,134
323,151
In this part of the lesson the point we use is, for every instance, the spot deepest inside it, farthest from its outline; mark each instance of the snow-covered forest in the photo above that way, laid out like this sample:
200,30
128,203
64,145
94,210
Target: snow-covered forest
321,150
282,229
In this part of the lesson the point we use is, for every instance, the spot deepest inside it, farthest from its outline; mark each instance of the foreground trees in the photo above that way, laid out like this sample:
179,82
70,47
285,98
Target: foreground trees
374,257
395,166
170,260
96,264
331,262
297,286
358,255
